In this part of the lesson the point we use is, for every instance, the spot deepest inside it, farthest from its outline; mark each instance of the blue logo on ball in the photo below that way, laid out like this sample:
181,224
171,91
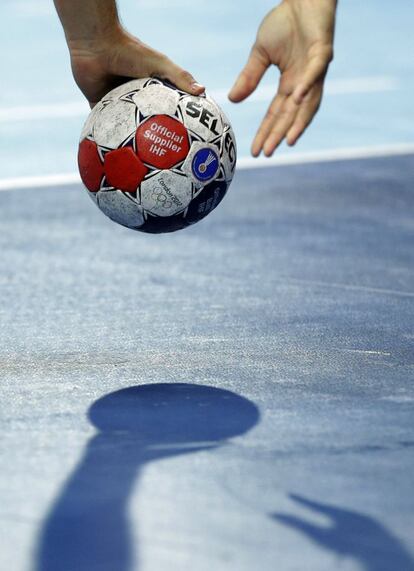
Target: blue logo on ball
205,164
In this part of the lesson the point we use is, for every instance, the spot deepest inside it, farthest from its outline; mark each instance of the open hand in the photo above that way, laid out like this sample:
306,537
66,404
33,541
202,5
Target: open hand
297,37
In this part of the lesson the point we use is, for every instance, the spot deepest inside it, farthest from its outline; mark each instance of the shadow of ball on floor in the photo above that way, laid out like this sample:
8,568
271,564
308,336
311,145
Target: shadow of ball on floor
174,413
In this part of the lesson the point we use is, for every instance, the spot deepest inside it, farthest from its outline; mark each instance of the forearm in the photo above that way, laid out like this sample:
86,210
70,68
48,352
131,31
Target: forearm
86,22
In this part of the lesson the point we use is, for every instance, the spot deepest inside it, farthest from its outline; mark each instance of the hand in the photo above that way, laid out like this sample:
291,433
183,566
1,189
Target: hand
297,37
99,66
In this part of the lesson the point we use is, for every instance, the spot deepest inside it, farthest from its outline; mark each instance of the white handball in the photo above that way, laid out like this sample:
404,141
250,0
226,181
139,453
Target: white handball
154,158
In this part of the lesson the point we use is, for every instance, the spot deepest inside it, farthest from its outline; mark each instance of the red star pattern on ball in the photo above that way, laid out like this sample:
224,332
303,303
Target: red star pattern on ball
124,170
90,165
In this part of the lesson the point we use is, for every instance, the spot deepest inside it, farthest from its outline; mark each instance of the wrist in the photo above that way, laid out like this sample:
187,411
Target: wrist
97,42
88,23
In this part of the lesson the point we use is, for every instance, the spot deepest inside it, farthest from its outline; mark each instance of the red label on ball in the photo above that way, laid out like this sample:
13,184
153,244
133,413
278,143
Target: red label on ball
162,141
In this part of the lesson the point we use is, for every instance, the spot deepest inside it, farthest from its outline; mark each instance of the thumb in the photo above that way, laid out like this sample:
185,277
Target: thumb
250,76
179,77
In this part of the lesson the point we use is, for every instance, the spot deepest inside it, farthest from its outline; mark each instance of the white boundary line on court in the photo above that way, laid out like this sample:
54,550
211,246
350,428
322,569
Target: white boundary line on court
67,110
329,155
244,163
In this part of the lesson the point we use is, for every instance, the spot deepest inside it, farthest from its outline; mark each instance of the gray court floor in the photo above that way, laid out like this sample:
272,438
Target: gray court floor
235,396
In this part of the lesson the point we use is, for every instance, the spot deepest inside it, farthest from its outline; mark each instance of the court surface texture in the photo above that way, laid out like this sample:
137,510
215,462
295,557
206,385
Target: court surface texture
234,396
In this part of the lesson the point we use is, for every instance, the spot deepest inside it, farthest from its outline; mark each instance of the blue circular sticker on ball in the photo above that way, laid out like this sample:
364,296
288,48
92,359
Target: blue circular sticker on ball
205,164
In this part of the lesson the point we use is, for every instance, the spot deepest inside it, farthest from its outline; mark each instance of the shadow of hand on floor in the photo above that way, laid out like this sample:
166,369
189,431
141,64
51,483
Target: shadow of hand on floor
351,534
87,528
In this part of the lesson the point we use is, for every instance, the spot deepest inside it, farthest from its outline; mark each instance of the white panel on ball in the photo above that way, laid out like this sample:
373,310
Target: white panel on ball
156,100
89,124
120,208
224,119
166,193
114,124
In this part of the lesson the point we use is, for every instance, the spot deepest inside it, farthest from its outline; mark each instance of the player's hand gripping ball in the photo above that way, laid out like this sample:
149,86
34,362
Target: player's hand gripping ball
154,158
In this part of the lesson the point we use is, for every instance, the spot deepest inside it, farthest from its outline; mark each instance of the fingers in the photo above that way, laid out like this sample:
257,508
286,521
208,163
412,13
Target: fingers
318,533
285,119
267,124
140,60
278,120
289,115
304,116
179,77
250,76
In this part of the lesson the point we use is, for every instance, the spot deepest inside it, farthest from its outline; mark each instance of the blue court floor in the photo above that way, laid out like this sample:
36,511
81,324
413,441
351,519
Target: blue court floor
238,395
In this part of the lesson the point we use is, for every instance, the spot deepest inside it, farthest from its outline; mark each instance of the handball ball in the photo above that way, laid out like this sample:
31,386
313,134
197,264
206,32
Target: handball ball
154,158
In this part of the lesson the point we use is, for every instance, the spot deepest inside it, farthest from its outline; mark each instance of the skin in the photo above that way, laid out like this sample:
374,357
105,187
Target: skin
103,54
296,36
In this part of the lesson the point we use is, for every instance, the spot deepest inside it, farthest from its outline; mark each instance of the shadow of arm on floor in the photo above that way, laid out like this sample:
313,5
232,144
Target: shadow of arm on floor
88,528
